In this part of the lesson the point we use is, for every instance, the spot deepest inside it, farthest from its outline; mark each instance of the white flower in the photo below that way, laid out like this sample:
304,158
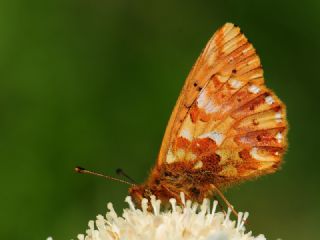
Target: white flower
192,221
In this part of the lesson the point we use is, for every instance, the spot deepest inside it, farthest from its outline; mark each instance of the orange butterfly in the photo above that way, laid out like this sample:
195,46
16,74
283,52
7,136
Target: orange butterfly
226,126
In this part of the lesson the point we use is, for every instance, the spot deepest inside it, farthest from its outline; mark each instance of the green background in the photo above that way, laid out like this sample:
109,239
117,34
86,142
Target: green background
93,83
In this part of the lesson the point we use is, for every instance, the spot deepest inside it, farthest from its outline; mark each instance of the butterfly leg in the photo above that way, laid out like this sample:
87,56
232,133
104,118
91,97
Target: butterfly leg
224,199
176,194
173,194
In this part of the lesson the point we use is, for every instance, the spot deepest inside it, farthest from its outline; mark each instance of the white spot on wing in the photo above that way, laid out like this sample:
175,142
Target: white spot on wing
278,117
254,89
269,100
205,103
186,134
202,99
254,153
234,83
263,155
170,157
215,136
279,137
210,107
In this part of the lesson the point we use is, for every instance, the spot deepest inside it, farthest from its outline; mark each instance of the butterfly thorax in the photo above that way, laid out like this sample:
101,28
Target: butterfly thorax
168,180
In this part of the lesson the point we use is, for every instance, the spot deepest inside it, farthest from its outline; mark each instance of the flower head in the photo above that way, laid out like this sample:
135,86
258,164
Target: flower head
187,222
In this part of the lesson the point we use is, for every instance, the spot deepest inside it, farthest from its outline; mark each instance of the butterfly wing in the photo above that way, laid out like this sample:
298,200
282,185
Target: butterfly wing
225,119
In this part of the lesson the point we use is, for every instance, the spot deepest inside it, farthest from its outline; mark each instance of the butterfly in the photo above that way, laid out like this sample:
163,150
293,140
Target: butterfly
226,126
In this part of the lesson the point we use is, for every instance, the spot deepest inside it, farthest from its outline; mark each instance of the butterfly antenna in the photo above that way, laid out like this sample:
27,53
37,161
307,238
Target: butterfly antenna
120,172
85,171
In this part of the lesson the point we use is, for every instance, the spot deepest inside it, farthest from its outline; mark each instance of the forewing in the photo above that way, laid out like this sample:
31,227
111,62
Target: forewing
225,119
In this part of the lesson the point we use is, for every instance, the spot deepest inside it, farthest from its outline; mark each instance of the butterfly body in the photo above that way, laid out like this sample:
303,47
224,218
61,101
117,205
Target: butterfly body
168,181
226,126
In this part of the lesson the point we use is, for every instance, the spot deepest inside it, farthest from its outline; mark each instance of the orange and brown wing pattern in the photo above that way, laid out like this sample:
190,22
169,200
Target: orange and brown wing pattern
225,119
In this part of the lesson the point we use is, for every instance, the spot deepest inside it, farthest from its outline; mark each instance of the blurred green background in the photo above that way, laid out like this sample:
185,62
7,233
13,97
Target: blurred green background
93,83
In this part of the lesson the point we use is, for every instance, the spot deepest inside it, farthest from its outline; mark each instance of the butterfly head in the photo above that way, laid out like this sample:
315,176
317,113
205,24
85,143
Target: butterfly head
138,192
